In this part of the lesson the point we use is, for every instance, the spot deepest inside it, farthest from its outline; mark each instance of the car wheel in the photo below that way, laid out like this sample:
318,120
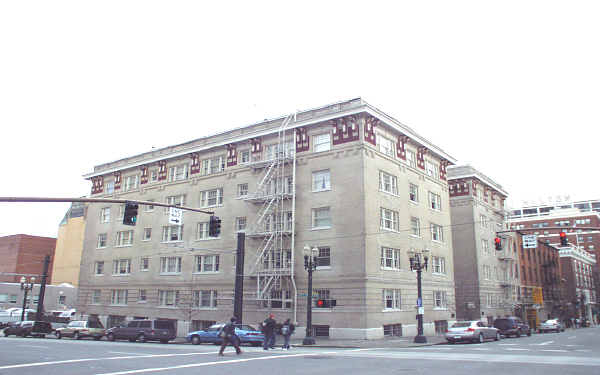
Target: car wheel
97,338
76,336
195,340
58,335
497,338
110,337
5,334
164,341
141,338
518,334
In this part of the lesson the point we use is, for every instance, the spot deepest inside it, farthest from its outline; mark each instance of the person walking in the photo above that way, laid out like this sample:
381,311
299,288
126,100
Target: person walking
268,328
286,330
227,333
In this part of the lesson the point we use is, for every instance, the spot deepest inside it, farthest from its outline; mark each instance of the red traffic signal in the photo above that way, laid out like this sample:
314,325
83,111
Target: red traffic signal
320,303
498,243
563,239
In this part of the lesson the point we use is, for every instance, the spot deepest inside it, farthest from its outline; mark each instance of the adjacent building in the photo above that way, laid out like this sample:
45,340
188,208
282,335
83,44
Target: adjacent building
346,180
69,245
23,255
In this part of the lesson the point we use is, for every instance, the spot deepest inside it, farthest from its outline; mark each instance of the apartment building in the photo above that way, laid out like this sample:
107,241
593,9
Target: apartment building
487,280
345,179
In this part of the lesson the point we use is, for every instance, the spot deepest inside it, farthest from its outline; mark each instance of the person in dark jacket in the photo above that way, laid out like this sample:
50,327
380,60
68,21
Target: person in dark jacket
286,330
229,336
268,329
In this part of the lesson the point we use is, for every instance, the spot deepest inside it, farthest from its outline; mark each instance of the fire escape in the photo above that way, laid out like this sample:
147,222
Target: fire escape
508,279
271,247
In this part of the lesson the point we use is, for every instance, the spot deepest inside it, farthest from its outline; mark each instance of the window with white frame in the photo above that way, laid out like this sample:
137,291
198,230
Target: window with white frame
437,233
411,158
178,172
144,264
323,257
321,217
154,175
439,299
99,267
175,200
386,146
96,296
168,298
242,190
321,180
240,223
170,265
435,201
124,238
413,193
121,266
118,297
105,215
207,263
392,299
244,156
483,221
390,258
388,183
487,272
211,198
205,298
131,183
438,265
322,142
485,246
102,240
142,296
389,219
432,169
217,164
172,233
147,236
415,226
110,187
202,231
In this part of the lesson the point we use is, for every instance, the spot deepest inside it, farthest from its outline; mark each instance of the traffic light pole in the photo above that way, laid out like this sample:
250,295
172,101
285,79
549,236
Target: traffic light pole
40,308
238,299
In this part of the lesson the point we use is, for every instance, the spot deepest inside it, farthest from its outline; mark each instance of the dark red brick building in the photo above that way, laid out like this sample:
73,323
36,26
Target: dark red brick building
24,254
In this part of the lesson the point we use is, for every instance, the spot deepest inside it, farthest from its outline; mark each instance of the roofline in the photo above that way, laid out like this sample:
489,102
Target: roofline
479,176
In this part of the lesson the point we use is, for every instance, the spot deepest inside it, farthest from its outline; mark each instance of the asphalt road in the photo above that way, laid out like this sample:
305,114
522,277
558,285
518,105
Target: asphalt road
570,352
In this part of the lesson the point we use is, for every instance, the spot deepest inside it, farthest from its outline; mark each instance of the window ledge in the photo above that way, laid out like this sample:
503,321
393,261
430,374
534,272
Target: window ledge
389,193
439,274
391,310
205,308
178,241
391,269
320,268
389,230
121,274
322,190
206,273
169,273
320,228
124,245
416,203
440,309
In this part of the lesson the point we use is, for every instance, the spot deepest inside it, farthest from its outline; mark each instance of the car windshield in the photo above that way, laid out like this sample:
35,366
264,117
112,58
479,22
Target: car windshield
461,324
551,322
246,327
95,324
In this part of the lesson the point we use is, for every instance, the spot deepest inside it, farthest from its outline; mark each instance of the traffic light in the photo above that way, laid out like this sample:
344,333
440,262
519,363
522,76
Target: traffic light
130,214
325,303
563,239
214,226
498,243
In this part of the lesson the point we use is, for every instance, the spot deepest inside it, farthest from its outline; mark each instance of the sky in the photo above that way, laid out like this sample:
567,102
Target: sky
509,87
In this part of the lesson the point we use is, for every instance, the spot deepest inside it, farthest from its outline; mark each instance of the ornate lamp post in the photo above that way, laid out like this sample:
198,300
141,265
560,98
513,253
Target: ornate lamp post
26,287
310,264
418,262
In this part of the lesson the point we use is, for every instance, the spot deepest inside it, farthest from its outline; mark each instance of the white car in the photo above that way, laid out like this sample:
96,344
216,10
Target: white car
551,325
472,331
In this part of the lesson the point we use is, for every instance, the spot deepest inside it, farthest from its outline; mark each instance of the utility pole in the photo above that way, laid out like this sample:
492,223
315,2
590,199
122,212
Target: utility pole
40,308
238,298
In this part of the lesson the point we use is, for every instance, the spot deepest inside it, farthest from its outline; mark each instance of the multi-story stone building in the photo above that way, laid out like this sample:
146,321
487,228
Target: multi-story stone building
487,280
345,179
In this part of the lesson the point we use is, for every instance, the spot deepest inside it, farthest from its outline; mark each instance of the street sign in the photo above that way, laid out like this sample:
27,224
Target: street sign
529,241
421,311
175,216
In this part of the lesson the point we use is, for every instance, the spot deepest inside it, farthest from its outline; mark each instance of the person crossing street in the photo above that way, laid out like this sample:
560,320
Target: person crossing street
227,333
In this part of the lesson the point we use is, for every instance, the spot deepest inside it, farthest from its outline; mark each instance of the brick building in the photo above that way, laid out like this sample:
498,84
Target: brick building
23,254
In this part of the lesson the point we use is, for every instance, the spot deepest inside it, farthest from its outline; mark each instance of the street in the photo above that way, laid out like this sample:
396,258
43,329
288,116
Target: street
570,352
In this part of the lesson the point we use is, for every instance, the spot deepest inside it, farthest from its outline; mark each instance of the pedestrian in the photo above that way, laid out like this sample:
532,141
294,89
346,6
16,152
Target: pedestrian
227,334
286,330
268,328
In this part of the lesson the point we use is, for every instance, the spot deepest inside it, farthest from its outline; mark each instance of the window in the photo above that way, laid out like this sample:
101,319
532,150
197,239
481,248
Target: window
244,156
96,293
392,330
325,295
175,200
322,142
392,299
102,238
483,221
435,201
321,181
154,175
415,226
321,217
105,215
172,233
413,193
205,298
485,246
99,268
178,173
207,263
439,299
279,259
439,264
411,158
125,238
324,257
119,297
211,198
131,183
170,265
386,146
142,296
149,208
432,170
437,233
388,183
487,272
121,266
389,219
144,264
202,231
147,234
242,190
110,187
390,258
168,298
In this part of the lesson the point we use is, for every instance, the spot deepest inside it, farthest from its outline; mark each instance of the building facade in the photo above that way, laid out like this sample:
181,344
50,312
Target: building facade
56,297
487,280
345,179
69,246
23,254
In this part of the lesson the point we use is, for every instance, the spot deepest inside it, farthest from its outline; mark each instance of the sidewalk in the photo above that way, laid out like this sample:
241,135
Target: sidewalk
391,342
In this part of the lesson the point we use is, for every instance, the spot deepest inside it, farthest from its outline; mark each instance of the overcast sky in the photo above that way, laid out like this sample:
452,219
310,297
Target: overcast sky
510,87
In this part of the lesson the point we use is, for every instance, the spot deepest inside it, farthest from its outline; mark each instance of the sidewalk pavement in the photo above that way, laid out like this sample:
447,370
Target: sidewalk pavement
388,342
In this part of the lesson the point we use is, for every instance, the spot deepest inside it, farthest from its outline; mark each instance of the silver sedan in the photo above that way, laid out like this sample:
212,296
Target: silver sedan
471,330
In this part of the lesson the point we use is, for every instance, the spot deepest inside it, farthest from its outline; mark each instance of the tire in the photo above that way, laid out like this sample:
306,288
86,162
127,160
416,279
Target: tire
110,337
529,333
97,338
141,338
6,334
164,341
76,336
58,335
518,334
497,338
195,340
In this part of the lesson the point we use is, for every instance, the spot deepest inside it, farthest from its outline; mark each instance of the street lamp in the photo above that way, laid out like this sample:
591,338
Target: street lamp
418,262
310,264
26,287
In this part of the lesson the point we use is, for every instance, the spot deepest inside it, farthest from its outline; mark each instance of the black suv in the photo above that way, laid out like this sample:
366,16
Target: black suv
512,326
144,330
28,328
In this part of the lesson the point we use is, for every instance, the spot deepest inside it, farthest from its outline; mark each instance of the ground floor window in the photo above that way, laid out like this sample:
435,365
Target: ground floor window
320,330
441,326
201,324
392,330
114,321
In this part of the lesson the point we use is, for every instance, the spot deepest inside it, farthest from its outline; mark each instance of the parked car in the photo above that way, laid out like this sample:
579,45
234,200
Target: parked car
28,328
246,333
81,328
551,325
144,330
472,331
512,326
